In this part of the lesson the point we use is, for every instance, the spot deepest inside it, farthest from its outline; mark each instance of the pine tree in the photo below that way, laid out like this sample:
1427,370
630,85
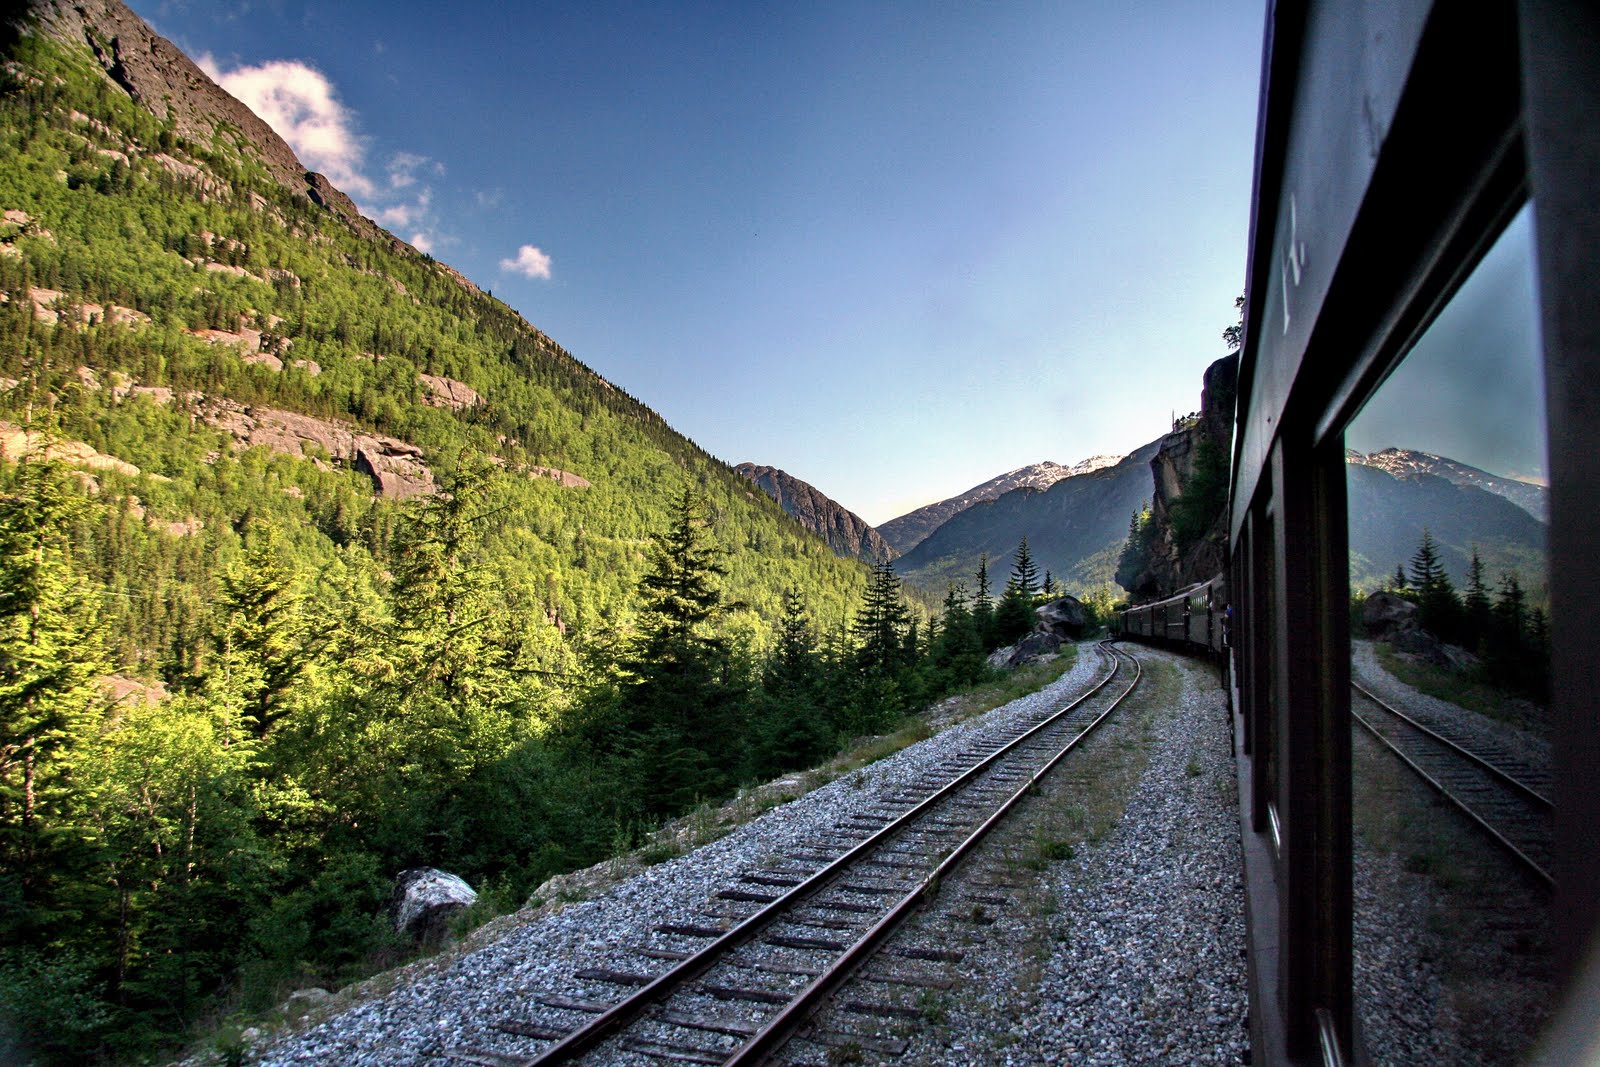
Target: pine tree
1508,634
1477,605
1024,574
439,594
682,702
958,651
1440,609
51,661
1013,617
1426,570
264,641
880,628
1136,551
983,605
795,728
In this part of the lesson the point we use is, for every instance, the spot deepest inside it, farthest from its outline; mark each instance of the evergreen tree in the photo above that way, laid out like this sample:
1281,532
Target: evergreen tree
1204,499
264,641
880,627
958,650
1508,634
51,659
1013,618
1399,580
1440,609
1136,551
682,702
983,605
1426,570
1024,574
1477,606
795,728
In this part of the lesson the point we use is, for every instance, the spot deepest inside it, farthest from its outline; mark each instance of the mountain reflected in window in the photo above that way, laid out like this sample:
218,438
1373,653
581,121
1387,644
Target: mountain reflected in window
1448,505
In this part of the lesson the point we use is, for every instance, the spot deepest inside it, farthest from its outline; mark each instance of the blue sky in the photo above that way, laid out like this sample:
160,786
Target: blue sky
894,249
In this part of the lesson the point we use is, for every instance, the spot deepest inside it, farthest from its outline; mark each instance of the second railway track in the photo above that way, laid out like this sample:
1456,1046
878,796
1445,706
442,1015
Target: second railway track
729,985
1494,796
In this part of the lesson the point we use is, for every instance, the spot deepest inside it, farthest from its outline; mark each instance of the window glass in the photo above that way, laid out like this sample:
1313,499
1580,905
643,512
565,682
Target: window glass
1450,594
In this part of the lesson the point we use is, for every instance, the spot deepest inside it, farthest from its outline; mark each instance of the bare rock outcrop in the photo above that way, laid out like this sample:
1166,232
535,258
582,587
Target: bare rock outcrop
1173,565
17,443
1385,614
445,392
847,533
565,479
157,76
1057,622
397,468
1065,616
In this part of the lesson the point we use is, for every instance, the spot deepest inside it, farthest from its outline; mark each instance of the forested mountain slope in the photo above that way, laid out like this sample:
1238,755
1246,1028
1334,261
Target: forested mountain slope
188,278
1389,512
375,573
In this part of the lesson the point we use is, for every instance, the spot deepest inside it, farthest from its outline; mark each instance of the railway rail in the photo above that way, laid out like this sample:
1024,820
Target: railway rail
773,949
1495,796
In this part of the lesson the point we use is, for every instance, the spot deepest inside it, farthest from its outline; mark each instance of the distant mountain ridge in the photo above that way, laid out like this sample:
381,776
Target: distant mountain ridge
910,529
1075,528
847,533
1409,463
1388,514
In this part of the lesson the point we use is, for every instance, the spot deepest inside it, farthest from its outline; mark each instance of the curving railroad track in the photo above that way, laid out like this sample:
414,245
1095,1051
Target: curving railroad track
1504,800
730,985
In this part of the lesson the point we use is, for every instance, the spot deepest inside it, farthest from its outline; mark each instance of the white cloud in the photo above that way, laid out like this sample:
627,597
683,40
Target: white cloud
406,214
301,104
530,263
403,168
298,101
397,215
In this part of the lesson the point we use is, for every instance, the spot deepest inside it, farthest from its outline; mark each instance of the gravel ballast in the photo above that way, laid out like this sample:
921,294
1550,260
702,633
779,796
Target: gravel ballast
1148,963
1137,954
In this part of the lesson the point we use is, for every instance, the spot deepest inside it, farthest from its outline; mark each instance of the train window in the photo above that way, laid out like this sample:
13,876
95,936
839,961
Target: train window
1445,474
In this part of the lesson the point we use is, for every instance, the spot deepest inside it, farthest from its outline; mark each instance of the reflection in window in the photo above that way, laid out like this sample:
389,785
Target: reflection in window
1447,501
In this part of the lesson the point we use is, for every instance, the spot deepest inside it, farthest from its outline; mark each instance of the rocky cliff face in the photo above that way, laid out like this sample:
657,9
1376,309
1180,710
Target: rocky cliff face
157,76
1197,439
910,529
847,533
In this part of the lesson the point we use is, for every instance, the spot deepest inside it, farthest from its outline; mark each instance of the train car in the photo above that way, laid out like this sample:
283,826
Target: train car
1399,146
1193,619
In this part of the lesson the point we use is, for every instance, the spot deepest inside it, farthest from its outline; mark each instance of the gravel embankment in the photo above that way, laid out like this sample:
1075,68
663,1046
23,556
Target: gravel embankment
1145,961
1142,941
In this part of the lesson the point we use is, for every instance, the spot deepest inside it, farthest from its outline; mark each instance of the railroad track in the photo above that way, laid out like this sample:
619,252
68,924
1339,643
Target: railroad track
1491,791
730,986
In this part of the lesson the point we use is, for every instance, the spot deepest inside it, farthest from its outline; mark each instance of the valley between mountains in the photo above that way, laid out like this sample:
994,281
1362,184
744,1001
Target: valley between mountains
320,564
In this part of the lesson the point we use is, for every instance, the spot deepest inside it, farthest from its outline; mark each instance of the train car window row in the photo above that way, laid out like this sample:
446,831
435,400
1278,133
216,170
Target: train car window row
1424,243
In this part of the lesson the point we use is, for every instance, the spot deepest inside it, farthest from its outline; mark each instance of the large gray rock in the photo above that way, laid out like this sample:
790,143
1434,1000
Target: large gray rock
1034,646
1386,614
1065,617
424,899
1422,645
